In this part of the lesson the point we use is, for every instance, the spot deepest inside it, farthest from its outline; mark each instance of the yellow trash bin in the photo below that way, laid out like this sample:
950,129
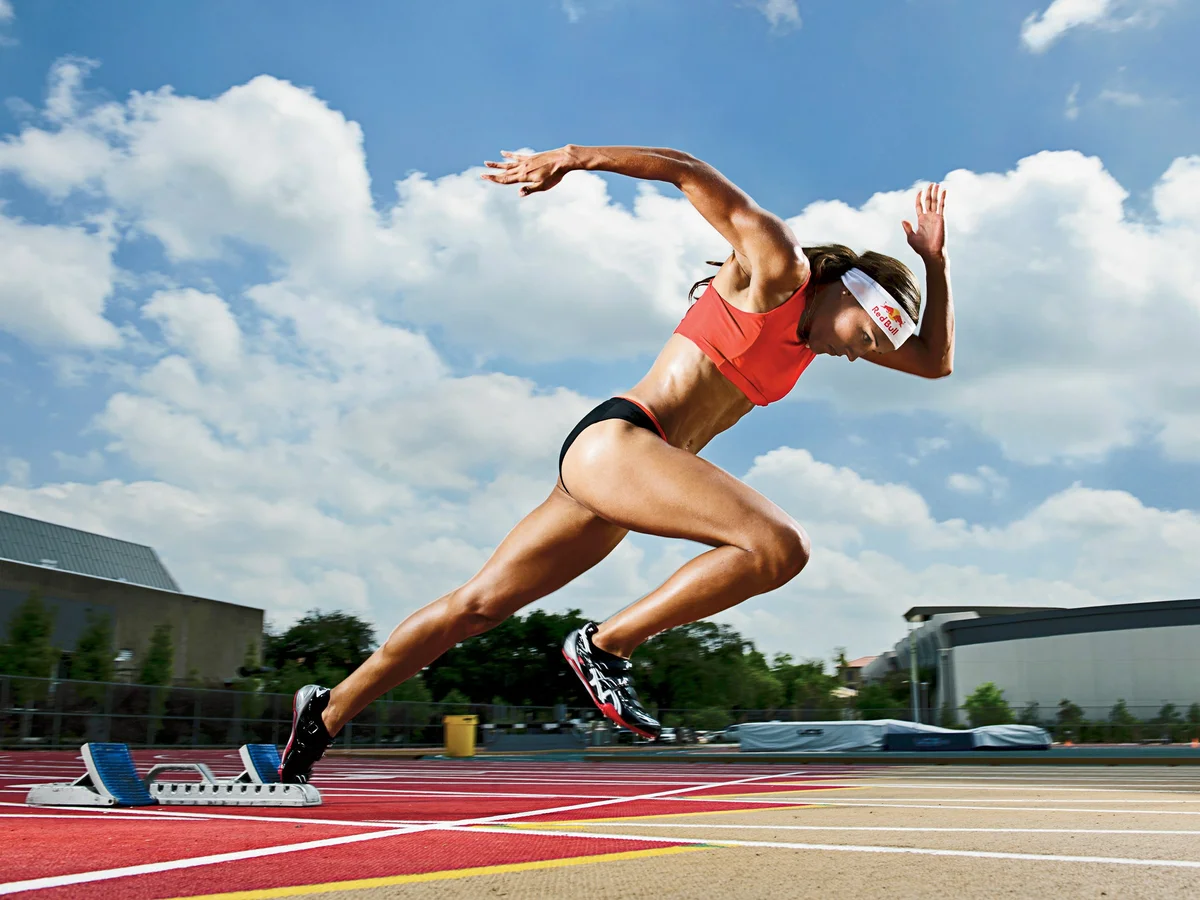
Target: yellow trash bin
460,735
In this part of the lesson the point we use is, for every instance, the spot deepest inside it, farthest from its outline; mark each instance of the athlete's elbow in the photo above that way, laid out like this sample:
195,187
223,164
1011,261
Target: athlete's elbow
944,370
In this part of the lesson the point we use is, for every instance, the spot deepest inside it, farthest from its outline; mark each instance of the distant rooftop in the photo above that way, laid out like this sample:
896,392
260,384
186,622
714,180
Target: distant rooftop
923,613
860,662
69,550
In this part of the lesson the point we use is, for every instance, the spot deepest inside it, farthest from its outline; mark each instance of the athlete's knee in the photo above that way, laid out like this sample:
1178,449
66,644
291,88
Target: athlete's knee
476,608
782,550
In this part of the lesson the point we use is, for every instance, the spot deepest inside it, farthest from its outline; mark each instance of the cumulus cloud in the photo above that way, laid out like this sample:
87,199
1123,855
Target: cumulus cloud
55,282
784,15
303,441
985,480
1042,30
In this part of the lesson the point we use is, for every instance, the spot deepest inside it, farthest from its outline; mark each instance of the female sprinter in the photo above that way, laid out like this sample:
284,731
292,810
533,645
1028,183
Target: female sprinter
631,464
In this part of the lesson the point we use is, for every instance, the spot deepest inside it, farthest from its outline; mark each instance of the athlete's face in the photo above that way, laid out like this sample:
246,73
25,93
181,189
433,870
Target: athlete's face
841,327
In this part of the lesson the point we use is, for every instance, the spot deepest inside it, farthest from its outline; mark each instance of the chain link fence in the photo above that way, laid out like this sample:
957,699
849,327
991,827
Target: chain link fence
59,714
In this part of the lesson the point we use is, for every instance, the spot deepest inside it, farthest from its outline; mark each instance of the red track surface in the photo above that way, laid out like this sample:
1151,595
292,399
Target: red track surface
381,818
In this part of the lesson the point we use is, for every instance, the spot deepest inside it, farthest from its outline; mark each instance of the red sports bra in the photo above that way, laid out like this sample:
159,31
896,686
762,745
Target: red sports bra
761,353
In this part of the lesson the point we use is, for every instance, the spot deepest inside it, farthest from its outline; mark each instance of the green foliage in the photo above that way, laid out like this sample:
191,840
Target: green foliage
520,659
808,688
1170,723
321,648
28,653
1069,722
412,691
987,706
457,703
160,656
1030,715
93,656
1121,723
887,699
949,716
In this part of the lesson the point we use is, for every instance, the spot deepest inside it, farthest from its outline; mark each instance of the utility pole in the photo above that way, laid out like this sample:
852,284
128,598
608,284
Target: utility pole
912,680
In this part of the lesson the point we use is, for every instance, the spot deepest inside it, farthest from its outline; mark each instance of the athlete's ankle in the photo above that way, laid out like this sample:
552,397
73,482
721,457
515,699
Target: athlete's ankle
612,644
331,720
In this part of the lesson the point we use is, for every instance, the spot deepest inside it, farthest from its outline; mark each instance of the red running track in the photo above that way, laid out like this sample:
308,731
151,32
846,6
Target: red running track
380,818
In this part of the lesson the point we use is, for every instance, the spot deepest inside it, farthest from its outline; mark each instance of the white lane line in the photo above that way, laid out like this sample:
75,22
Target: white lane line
884,805
108,817
1149,801
389,791
33,884
159,813
851,848
1008,787
900,828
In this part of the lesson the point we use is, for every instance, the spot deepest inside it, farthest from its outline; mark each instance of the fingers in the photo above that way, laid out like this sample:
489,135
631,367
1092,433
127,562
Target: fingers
908,229
931,200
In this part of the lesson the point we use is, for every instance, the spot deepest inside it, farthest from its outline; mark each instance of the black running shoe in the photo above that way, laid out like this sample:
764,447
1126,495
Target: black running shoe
309,738
606,678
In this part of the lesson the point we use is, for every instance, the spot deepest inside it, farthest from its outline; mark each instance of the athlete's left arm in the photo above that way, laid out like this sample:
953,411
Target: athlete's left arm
930,352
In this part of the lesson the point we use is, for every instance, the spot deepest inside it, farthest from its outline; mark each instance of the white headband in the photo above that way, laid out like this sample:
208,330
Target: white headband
879,303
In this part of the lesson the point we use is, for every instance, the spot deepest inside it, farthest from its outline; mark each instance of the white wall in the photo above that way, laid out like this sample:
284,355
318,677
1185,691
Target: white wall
1146,667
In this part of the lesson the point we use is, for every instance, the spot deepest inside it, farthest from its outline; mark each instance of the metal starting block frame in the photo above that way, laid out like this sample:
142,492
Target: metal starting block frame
112,780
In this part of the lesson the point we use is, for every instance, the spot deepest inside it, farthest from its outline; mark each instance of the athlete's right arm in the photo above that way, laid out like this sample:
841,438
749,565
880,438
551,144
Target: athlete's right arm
763,243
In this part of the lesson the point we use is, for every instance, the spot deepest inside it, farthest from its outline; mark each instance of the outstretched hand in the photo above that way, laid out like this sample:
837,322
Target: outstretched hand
928,237
536,172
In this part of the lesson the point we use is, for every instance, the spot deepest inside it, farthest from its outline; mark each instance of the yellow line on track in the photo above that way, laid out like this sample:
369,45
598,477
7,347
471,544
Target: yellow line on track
444,875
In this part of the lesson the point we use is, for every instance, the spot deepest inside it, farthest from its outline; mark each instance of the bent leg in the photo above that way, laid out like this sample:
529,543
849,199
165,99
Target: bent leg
633,479
553,545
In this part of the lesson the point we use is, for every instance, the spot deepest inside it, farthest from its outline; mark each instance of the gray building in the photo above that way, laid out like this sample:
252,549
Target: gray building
79,573
1147,654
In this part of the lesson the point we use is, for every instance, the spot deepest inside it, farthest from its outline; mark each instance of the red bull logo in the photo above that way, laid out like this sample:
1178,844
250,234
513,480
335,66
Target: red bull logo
890,318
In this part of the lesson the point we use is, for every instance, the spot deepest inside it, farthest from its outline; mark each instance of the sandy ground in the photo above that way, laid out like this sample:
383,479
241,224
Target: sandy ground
1071,833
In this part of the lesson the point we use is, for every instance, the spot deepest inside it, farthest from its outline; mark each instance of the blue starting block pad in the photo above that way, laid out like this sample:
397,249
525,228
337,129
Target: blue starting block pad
111,779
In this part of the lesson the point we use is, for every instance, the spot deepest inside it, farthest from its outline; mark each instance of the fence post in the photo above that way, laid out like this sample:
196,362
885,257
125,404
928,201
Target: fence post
108,704
56,734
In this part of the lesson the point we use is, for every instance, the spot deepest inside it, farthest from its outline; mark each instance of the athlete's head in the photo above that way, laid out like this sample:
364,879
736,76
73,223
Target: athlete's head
843,317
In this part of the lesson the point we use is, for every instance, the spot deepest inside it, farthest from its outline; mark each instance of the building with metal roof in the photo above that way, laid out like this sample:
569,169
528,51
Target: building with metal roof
1146,654
81,575
41,543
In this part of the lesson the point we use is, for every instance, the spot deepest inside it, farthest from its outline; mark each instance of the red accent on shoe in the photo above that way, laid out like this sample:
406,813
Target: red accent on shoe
610,711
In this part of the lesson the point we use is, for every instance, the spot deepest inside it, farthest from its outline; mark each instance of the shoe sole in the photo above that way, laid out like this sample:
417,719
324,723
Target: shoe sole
292,736
610,711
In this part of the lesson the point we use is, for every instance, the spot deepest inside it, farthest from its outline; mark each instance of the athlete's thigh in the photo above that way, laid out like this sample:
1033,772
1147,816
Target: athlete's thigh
553,545
634,479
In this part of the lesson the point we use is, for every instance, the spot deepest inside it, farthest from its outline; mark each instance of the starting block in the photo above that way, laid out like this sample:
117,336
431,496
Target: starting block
112,780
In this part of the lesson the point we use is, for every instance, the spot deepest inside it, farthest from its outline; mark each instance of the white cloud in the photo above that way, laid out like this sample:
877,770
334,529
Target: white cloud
302,442
199,323
985,480
55,282
1041,30
1121,98
1045,261
6,12
1072,108
574,10
784,15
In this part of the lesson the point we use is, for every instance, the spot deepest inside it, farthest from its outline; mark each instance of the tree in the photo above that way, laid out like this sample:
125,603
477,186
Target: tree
93,656
1121,722
1030,715
160,655
28,652
1069,722
321,648
987,706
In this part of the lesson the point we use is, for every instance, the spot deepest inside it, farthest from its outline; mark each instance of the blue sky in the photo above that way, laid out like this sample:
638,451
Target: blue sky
1064,443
